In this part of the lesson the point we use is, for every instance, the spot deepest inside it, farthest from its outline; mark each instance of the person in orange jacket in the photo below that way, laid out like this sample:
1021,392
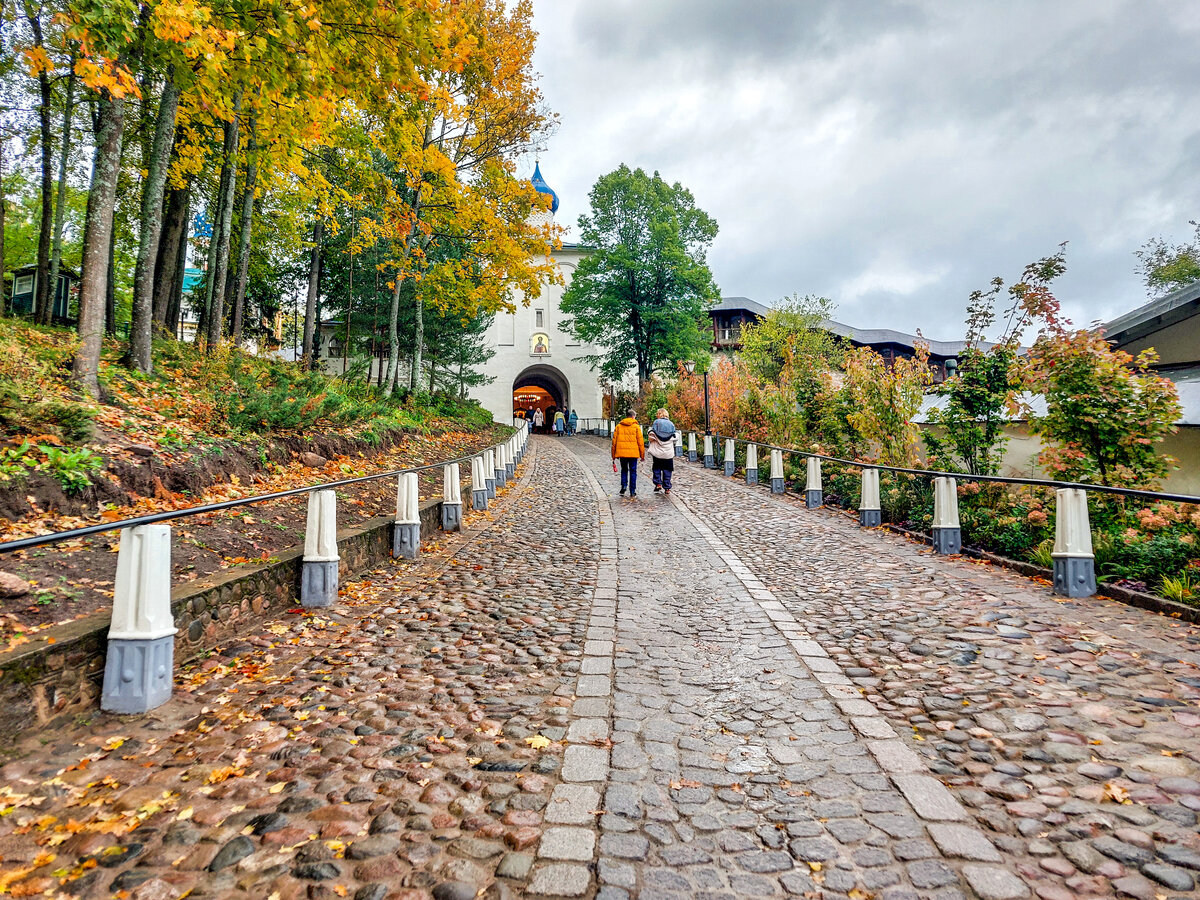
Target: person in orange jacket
628,446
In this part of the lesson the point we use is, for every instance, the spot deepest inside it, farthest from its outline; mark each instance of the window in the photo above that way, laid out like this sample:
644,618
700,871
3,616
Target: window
24,285
727,334
539,319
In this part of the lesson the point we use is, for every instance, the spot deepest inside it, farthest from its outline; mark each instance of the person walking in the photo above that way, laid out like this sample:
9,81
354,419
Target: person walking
572,423
628,446
662,452
560,423
538,419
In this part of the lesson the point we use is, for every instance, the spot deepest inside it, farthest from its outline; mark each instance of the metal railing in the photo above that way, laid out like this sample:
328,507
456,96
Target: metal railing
41,540
1157,496
1073,560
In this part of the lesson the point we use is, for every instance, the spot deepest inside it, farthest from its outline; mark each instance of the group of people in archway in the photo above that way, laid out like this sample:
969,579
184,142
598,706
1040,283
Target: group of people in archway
551,421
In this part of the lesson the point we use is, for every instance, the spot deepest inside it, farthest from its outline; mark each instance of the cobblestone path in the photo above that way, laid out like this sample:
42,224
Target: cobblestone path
390,747
716,695
1068,729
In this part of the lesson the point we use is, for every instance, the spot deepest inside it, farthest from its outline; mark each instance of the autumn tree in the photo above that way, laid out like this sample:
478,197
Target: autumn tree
886,399
982,395
642,291
1106,410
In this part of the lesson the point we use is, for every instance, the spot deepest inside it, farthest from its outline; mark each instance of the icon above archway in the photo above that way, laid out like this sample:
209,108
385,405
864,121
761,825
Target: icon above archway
539,344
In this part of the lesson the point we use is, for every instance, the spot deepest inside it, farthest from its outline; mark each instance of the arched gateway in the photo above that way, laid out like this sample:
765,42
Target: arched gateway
541,387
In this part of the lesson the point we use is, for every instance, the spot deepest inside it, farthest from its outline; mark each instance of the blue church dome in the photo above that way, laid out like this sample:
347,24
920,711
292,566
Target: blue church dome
539,184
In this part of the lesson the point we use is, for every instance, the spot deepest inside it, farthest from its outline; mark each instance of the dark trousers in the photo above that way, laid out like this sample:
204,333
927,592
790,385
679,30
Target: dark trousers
629,473
663,469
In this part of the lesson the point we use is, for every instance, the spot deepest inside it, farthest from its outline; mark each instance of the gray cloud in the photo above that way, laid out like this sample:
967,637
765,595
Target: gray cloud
892,156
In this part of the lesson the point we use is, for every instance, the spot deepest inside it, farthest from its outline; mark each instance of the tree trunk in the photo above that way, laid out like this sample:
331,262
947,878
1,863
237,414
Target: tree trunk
110,289
43,298
175,300
414,375
97,242
3,215
219,276
167,277
141,328
60,203
243,276
389,384
310,305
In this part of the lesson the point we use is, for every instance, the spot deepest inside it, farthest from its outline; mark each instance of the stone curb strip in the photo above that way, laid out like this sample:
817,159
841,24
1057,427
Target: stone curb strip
929,798
566,854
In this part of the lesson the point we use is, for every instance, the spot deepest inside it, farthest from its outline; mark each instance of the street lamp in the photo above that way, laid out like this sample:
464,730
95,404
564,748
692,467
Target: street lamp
689,366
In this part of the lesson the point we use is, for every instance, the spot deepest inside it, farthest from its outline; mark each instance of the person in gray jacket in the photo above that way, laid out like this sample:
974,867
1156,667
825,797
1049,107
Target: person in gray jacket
661,447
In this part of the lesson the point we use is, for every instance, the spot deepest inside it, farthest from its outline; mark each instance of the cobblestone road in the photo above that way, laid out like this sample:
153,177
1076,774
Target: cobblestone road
1070,730
387,748
717,695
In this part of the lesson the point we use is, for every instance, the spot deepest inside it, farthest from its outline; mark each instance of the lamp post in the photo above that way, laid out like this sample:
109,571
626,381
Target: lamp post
690,367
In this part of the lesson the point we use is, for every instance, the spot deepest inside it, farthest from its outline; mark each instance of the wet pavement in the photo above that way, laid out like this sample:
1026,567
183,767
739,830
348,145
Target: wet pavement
719,694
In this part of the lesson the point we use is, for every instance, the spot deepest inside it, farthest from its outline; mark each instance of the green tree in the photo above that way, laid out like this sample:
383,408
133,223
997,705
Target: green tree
641,293
1167,268
980,397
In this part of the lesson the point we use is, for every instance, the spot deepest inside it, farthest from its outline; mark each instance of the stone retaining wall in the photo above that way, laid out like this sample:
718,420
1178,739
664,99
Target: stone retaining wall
59,674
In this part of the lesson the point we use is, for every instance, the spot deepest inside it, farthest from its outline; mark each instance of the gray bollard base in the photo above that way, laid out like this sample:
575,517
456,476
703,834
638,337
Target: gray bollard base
708,463
777,486
947,541
728,468
406,540
752,476
501,478
491,487
691,456
138,674
813,499
509,470
318,583
870,518
451,516
479,500
1075,576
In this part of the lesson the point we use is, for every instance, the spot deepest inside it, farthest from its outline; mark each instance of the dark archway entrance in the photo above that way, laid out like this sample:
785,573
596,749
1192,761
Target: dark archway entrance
541,387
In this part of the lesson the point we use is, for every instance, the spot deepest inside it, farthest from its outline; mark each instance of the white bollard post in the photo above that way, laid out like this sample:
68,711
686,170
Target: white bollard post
751,464
319,568
678,443
489,473
691,446
501,473
814,493
777,485
869,513
140,667
730,457
708,452
406,532
1074,562
947,534
479,494
510,458
451,498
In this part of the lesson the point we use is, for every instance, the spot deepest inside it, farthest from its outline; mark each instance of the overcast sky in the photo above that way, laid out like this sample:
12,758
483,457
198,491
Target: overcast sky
891,156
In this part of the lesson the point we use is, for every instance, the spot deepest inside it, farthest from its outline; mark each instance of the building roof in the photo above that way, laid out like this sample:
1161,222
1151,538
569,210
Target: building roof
733,304
855,335
32,267
1155,315
888,336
